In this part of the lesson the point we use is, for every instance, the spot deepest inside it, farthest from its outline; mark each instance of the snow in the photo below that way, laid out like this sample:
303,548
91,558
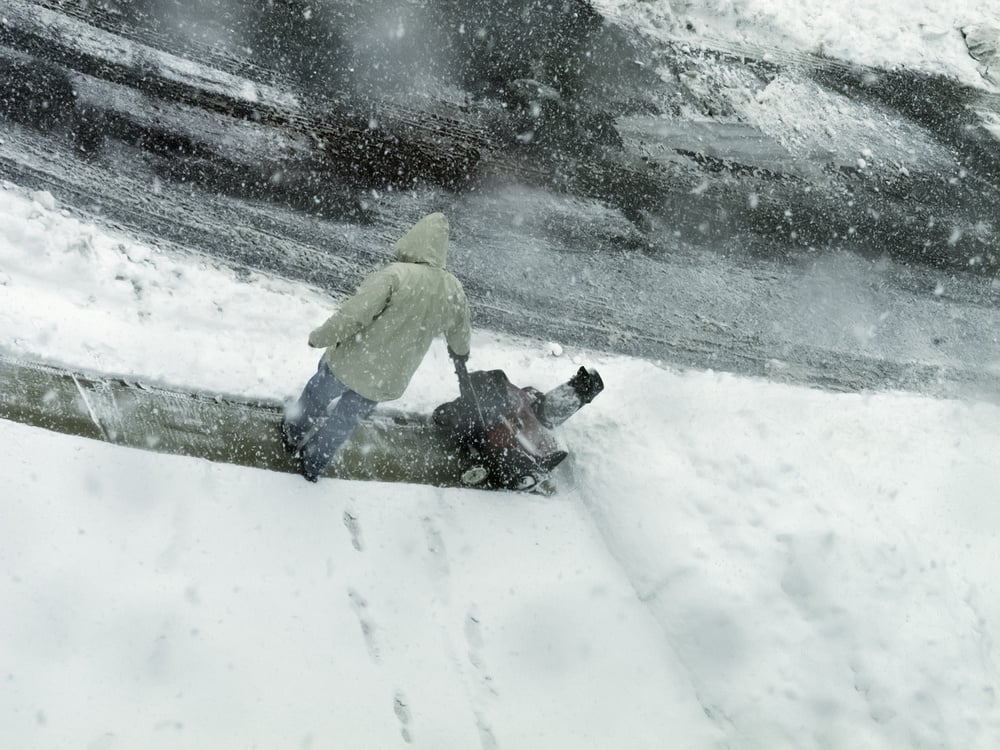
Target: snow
918,34
84,297
824,562
739,563
164,601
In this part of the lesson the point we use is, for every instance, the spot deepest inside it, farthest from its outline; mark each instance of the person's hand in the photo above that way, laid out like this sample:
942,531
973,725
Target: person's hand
463,358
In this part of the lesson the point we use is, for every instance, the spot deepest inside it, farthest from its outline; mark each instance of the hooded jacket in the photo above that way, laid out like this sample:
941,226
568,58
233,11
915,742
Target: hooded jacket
378,337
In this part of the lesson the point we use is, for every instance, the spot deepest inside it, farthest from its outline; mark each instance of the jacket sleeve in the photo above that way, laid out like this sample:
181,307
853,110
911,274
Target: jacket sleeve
458,333
356,313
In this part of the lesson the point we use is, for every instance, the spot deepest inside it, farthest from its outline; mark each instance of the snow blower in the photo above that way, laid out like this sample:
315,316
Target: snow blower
503,433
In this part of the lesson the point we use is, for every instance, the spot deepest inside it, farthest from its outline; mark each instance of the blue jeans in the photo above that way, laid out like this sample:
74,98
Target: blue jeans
313,430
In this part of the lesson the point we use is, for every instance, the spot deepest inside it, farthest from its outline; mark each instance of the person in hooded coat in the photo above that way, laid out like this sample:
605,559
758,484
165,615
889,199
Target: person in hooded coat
375,342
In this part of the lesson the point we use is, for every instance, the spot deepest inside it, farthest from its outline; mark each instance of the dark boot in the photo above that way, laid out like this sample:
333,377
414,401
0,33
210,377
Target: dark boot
308,475
291,446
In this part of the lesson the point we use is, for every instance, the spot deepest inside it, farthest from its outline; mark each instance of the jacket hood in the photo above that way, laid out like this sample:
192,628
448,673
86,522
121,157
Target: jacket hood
426,242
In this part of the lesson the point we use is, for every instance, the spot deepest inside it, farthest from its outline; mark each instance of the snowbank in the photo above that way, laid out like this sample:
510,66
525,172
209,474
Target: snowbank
923,35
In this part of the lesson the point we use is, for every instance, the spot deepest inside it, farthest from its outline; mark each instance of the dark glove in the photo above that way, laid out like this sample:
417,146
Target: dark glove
587,384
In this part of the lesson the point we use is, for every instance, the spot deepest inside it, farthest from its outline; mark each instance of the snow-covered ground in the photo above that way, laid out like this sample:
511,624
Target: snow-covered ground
739,564
918,34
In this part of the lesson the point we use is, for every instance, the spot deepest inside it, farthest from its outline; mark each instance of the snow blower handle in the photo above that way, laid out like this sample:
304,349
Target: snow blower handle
464,382
465,388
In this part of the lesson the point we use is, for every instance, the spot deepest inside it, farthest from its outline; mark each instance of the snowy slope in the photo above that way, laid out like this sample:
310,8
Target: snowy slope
741,564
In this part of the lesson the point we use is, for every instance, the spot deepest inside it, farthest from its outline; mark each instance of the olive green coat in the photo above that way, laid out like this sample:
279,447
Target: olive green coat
378,337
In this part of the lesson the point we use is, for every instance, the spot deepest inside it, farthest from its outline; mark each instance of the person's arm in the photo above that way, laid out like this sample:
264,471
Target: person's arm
459,333
356,313
458,337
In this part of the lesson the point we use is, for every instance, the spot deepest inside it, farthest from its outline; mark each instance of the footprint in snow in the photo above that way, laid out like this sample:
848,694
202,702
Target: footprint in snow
486,737
351,522
360,607
435,545
402,709
474,639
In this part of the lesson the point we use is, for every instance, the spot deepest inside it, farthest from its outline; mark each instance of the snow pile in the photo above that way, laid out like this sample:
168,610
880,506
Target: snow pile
77,296
983,41
809,119
923,35
740,563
